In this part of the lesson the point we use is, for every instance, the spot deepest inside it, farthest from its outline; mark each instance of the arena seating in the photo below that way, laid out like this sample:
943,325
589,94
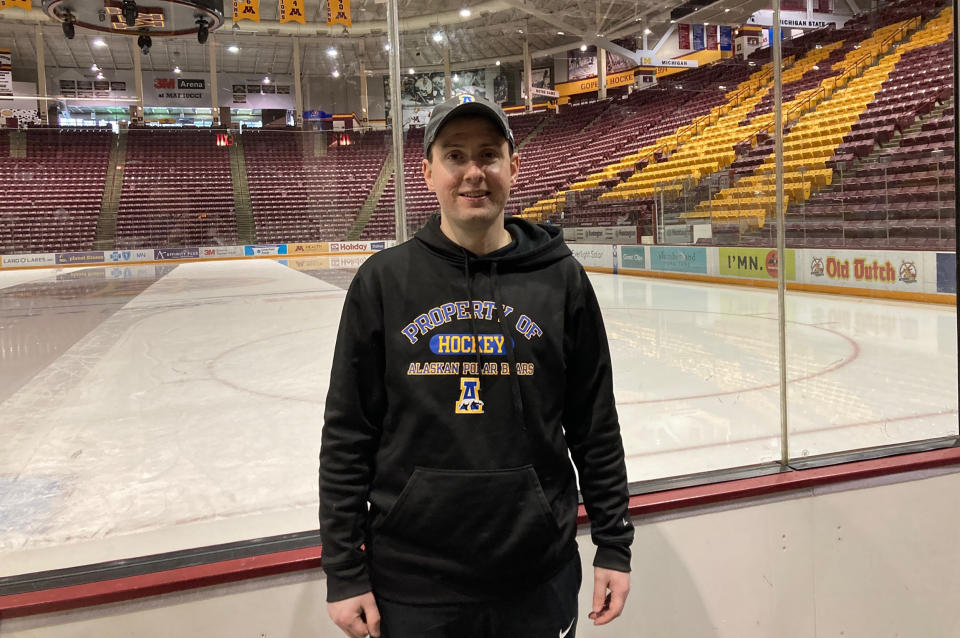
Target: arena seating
177,191
420,202
554,155
868,156
51,198
813,136
611,143
299,194
902,195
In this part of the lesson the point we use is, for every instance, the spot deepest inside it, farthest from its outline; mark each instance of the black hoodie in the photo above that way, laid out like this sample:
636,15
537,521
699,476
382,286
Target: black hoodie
459,384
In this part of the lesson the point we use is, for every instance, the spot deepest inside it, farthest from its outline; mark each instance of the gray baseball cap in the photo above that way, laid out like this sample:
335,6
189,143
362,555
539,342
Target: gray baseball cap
465,105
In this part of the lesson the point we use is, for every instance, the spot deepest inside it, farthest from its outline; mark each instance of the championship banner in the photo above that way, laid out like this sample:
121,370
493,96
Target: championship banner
292,10
20,4
246,10
6,73
698,37
683,36
338,12
712,37
726,38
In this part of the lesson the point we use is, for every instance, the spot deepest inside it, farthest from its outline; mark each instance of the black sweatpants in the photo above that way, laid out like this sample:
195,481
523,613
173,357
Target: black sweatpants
549,611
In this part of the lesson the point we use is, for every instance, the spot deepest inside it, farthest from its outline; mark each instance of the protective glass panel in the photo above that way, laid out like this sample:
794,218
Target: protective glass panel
870,175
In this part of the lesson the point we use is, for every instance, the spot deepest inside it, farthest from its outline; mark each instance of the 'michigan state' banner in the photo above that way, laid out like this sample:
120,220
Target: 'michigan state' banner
338,12
246,10
20,4
292,10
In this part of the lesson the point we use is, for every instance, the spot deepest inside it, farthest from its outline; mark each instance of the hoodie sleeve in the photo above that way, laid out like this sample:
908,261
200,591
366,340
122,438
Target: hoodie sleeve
351,430
593,430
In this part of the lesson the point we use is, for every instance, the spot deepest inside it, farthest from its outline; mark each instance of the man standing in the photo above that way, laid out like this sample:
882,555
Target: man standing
470,365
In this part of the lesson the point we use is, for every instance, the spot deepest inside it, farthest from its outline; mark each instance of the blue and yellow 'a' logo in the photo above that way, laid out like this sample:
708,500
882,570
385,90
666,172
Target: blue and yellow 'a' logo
469,401
464,98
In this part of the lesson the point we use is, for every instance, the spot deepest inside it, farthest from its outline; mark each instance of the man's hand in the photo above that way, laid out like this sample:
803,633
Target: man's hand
357,616
610,589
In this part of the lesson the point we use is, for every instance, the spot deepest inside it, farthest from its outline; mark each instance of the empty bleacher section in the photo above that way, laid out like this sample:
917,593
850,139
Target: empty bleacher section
694,151
306,187
177,191
52,184
902,193
716,147
553,157
810,142
868,159
630,133
419,201
825,140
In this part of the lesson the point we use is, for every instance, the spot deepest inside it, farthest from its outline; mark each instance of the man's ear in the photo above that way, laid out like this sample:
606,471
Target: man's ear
514,168
428,174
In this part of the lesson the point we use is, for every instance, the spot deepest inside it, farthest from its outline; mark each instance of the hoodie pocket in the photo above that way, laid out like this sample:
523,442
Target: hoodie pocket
481,520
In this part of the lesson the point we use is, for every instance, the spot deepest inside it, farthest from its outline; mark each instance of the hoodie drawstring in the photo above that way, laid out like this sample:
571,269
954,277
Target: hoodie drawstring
511,355
473,320
508,342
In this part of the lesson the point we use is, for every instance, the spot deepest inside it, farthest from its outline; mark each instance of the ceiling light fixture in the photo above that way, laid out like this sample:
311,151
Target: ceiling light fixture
498,62
176,69
336,73
583,47
438,37
410,71
94,68
647,32
386,47
99,76
99,43
560,33
266,79
233,48
727,10
332,52
464,13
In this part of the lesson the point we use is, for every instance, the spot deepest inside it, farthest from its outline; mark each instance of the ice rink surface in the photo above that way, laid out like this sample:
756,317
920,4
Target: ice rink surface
148,409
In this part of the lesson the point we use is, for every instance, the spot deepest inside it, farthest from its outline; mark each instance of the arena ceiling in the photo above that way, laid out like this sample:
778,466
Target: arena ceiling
494,30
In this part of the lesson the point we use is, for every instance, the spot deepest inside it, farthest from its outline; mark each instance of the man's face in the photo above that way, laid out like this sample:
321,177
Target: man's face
471,170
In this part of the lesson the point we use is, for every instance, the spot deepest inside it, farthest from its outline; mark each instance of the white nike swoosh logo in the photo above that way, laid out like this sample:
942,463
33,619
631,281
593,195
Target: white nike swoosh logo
569,627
